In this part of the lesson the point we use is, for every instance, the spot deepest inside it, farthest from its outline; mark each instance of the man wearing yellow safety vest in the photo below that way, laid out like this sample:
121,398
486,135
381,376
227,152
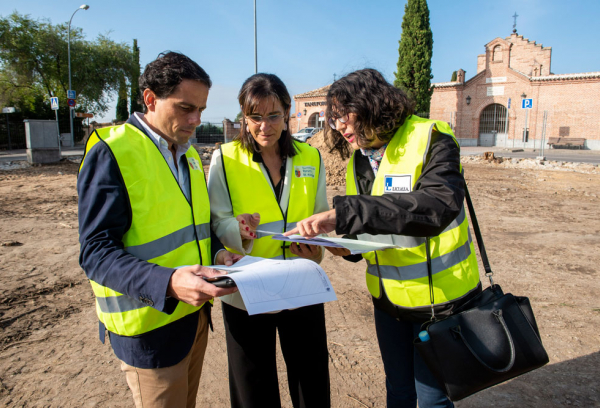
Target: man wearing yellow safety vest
404,186
144,224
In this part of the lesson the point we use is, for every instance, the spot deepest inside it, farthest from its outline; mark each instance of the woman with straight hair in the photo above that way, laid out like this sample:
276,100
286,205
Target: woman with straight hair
404,185
265,180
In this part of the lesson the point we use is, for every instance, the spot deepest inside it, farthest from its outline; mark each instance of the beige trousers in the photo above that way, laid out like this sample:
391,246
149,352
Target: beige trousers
175,386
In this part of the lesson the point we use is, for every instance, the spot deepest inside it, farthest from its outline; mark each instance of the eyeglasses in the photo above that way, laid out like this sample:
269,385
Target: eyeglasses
272,119
332,121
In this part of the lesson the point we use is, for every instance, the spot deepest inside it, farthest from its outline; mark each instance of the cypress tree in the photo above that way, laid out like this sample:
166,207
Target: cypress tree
122,114
135,77
454,77
414,62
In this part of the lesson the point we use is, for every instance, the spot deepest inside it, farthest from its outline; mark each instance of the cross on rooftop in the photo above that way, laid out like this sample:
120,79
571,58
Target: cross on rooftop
515,23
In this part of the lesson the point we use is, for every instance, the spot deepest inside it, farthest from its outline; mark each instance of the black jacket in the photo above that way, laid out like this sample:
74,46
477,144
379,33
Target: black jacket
436,200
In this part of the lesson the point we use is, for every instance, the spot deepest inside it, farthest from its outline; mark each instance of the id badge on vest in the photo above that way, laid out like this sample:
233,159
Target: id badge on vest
397,183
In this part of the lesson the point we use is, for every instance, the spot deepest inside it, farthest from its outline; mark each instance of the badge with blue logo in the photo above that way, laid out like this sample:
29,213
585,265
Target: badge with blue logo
194,164
398,183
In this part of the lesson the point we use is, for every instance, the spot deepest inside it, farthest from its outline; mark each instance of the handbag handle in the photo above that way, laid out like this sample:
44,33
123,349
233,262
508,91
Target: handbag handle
484,258
498,315
480,245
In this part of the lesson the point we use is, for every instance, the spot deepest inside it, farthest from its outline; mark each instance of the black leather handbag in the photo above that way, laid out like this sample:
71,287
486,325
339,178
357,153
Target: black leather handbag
490,339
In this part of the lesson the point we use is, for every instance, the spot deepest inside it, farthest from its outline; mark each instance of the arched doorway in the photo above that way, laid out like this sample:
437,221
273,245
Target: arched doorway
313,121
492,125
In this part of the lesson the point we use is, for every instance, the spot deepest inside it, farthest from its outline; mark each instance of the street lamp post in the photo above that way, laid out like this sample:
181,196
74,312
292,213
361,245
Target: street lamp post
255,43
82,7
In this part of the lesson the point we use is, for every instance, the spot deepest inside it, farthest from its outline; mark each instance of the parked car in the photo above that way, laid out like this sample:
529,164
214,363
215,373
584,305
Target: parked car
304,134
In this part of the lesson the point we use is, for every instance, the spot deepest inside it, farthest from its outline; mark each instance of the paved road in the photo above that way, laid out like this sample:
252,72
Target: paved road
19,155
566,155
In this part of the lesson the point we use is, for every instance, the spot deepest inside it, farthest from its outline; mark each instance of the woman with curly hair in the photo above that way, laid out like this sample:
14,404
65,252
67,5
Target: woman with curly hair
404,186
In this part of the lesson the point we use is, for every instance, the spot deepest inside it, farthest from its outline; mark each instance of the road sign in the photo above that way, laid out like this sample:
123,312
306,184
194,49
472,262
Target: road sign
9,110
508,103
71,94
71,102
299,114
322,113
83,115
527,103
54,102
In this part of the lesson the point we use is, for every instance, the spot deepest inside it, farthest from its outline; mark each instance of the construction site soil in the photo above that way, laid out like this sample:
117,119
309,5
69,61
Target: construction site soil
541,229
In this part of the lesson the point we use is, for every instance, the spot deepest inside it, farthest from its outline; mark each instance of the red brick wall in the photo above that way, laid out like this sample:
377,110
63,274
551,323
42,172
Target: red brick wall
480,63
573,105
311,108
525,55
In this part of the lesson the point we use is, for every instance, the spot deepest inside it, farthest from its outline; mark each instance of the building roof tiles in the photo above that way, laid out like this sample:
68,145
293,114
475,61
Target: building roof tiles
315,93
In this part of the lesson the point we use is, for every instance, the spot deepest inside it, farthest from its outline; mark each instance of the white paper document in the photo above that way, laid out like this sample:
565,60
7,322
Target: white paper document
354,245
267,285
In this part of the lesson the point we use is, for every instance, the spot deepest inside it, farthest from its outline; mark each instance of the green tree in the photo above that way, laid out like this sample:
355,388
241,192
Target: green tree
413,73
34,65
454,77
135,77
122,113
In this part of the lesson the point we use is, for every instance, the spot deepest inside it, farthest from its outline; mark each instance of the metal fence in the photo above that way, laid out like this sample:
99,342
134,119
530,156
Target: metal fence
12,130
210,133
12,135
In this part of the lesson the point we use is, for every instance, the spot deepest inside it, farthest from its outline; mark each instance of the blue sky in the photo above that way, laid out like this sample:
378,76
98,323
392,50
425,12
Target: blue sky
306,43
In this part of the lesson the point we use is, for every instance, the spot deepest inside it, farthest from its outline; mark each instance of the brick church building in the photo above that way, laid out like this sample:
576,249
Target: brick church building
512,69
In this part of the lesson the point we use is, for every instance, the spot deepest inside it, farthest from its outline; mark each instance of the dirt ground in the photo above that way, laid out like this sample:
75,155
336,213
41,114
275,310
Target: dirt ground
541,229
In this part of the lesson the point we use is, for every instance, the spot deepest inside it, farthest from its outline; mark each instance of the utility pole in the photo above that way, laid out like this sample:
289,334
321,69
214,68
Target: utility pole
255,42
71,108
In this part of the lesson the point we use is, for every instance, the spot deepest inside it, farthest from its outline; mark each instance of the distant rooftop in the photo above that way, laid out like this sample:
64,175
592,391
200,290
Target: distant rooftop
553,77
320,92
582,75
446,84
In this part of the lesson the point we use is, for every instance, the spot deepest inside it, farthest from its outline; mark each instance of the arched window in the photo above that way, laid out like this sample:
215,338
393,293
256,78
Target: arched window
497,54
493,119
313,120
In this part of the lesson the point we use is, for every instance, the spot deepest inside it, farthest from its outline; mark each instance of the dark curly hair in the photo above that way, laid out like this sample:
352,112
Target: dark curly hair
166,72
380,108
256,89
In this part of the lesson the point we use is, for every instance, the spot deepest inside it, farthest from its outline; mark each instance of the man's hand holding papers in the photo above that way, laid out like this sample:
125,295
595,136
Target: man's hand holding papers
267,285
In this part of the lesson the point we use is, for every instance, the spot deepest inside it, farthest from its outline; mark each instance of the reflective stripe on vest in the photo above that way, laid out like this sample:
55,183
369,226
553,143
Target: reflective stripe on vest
165,229
404,270
251,192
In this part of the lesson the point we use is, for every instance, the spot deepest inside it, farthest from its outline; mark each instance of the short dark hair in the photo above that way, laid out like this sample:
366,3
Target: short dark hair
380,108
167,71
256,89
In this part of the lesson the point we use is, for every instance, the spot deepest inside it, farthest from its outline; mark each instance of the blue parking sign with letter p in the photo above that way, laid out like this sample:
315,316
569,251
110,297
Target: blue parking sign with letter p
527,103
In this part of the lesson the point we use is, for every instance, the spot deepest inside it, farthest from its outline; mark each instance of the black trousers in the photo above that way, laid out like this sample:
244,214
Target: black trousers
251,354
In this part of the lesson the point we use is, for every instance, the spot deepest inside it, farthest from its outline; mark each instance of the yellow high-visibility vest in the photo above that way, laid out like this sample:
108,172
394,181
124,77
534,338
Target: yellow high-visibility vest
403,270
250,192
165,228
